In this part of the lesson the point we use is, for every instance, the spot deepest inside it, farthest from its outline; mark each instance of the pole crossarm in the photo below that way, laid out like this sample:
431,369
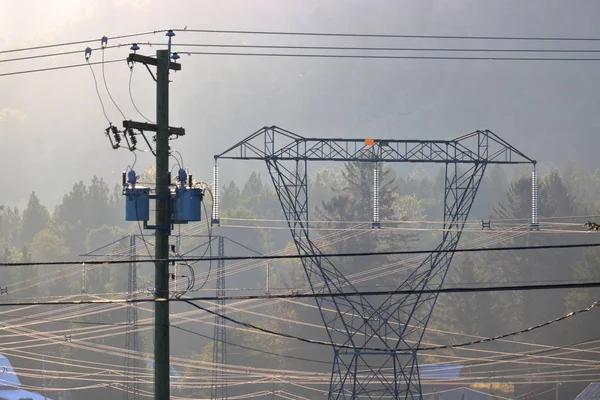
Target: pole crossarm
134,57
145,126
279,144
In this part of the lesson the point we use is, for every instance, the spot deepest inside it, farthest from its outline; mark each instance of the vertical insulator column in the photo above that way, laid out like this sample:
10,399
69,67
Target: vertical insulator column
83,279
376,222
215,210
268,291
534,200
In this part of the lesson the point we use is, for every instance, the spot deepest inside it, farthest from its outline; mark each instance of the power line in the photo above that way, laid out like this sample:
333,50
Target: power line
390,36
131,95
530,353
106,87
63,53
29,71
509,288
301,256
322,34
98,91
47,46
251,348
170,325
371,48
428,348
390,57
336,48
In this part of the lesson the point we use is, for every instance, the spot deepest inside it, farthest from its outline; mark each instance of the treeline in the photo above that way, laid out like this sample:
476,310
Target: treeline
91,216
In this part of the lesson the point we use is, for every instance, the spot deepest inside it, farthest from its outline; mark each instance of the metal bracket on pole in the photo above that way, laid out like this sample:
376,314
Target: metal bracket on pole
169,226
144,126
134,57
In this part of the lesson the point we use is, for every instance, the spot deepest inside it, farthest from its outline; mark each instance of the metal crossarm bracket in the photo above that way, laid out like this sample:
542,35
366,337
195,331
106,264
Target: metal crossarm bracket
144,126
134,57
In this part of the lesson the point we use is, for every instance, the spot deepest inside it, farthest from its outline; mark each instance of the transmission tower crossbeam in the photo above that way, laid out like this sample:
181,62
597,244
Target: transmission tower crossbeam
371,339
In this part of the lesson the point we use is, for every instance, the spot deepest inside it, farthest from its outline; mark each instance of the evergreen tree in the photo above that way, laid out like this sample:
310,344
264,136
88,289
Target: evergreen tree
353,202
35,219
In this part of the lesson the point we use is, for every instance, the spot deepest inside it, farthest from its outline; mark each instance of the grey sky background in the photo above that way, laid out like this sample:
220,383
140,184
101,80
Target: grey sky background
51,123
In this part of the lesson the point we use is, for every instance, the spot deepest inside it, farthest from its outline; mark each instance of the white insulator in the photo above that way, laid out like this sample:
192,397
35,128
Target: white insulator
534,198
376,221
215,210
83,279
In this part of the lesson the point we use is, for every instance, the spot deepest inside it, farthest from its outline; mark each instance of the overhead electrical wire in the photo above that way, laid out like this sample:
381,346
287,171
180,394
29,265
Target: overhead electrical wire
347,56
29,71
98,91
490,360
388,57
375,48
63,53
296,47
107,89
336,48
320,34
449,346
300,256
424,221
384,229
454,357
131,96
252,348
386,35
118,350
78,42
507,288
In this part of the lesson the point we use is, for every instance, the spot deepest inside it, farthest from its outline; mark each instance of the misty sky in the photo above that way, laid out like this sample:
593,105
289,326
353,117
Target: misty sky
52,125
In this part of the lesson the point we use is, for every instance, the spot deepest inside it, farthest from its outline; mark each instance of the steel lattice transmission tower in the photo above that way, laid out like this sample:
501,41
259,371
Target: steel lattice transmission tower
374,340
132,389
219,383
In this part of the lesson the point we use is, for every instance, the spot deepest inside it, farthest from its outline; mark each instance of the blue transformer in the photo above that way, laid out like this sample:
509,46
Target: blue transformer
187,203
137,203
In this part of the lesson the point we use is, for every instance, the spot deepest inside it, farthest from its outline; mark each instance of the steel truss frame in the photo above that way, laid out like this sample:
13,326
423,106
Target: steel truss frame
219,383
132,386
374,340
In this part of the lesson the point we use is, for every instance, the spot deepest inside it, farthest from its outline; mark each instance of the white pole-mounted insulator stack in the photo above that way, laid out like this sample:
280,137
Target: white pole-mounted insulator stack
215,210
376,182
534,200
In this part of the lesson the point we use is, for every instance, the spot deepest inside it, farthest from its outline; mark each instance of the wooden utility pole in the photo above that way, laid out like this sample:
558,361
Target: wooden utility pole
161,270
163,220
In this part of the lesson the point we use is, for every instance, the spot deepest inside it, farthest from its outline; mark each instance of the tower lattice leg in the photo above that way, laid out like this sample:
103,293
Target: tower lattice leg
132,389
219,383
